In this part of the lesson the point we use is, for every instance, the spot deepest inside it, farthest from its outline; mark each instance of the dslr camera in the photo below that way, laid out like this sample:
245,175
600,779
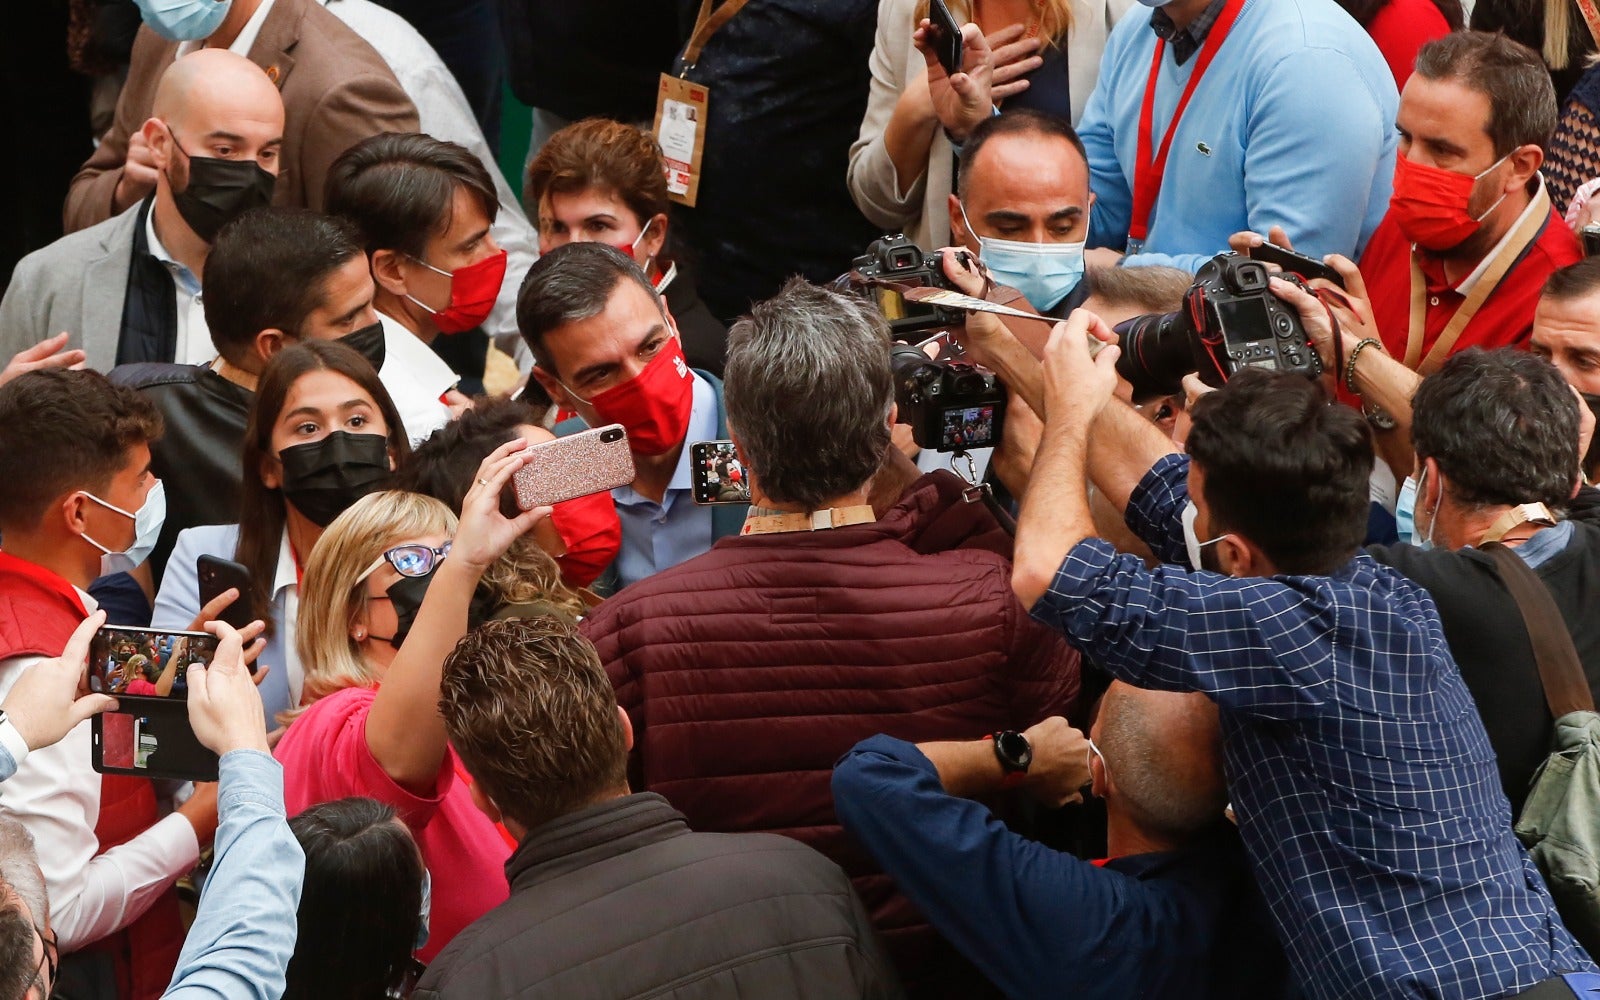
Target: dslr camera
898,261
1230,320
951,405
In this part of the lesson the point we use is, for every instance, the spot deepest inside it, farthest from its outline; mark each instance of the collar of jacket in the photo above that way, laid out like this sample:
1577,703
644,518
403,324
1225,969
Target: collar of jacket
589,836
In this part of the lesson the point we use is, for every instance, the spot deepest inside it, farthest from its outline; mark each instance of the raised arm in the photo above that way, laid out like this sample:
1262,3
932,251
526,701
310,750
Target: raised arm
404,730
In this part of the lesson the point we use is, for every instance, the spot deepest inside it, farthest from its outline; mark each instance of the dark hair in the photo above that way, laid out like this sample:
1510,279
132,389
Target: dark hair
399,189
807,392
268,270
1575,281
65,430
18,970
1021,121
1284,468
361,905
570,284
534,717
1522,100
603,155
1503,426
1365,10
262,513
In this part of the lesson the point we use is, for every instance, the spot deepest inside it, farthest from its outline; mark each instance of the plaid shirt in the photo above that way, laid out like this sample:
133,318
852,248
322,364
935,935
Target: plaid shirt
1187,42
1363,782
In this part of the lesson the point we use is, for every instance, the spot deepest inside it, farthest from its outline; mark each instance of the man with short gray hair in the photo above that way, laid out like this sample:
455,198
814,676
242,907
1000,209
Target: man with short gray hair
747,671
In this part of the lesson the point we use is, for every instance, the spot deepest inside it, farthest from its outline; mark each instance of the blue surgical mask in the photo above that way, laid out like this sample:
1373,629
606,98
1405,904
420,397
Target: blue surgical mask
1155,3
147,528
427,909
1405,513
183,20
1045,273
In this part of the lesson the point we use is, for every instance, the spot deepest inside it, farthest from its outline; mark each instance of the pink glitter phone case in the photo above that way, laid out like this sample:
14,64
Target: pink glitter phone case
591,462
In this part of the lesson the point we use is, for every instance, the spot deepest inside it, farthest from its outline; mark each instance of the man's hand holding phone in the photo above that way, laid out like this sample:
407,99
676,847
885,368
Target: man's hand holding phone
44,705
224,705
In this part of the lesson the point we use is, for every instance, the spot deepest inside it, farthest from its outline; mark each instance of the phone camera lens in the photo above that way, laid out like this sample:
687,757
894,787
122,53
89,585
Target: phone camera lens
610,435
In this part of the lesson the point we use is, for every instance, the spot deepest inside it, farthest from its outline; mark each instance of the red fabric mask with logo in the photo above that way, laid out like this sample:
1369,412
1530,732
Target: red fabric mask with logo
473,291
654,405
592,533
1430,204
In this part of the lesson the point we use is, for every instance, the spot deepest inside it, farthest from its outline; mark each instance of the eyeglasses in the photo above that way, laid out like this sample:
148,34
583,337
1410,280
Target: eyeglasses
413,560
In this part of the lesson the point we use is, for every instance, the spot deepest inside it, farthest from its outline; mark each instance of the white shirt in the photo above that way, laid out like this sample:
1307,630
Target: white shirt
444,113
194,345
416,378
56,795
247,34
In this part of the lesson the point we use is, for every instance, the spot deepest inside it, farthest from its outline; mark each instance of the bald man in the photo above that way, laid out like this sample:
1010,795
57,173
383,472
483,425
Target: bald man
1172,912
128,289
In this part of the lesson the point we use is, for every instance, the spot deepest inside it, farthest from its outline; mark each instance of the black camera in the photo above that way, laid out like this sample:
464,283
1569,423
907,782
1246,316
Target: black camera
1230,320
896,261
950,405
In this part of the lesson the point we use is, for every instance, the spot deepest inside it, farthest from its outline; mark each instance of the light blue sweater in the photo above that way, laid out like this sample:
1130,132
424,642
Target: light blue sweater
1293,126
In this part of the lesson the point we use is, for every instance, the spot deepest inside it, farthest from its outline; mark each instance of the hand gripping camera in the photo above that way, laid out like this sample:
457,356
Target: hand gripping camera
1230,320
950,405
896,261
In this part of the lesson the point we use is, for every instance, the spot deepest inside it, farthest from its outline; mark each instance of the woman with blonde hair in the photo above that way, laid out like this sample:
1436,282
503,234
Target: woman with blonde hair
387,593
902,166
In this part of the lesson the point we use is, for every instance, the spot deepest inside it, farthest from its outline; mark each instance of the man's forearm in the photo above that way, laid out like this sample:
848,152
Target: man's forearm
1389,385
968,768
1055,514
1123,445
1017,367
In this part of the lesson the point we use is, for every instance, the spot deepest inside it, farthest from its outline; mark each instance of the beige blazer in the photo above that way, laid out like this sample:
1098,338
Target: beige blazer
917,206
336,91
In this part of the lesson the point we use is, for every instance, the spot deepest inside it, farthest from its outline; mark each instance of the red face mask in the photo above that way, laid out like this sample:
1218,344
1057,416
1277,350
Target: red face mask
654,405
592,533
473,291
1430,204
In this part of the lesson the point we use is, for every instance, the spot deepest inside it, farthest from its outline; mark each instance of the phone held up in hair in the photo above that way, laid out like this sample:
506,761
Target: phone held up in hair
717,473
944,35
592,461
1295,263
148,735
217,575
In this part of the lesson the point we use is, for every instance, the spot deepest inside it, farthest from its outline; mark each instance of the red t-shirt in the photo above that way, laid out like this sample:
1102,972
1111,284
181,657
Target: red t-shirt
1504,319
1402,27
325,757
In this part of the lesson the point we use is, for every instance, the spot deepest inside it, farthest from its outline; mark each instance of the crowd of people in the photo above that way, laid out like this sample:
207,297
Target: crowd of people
1159,566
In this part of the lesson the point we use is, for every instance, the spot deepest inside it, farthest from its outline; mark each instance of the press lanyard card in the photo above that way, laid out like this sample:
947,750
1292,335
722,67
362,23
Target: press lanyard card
680,129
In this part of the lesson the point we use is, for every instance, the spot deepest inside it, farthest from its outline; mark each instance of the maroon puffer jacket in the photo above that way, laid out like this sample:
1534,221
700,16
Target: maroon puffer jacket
748,671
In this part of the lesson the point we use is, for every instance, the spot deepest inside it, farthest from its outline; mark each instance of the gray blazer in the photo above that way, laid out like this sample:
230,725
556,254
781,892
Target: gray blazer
75,284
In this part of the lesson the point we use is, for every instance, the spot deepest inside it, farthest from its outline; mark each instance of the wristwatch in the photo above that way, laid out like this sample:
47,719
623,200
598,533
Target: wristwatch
1015,755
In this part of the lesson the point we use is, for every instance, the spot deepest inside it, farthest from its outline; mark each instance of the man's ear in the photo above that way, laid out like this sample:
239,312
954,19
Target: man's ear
74,510
958,225
159,140
1525,162
894,414
484,803
387,272
554,389
267,343
627,728
1237,557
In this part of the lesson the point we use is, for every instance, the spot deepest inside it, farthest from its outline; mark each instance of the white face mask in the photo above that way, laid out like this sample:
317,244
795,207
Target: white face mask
147,528
1191,541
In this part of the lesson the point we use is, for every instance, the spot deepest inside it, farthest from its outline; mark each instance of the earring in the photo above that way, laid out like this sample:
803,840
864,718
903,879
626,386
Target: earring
359,634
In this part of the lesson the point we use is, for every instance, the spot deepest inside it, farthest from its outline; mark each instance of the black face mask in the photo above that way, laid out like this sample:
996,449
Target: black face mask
220,191
406,595
322,479
368,342
1592,458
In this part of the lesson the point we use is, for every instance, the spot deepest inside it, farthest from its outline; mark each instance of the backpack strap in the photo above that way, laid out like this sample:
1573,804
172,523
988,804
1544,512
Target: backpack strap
1566,687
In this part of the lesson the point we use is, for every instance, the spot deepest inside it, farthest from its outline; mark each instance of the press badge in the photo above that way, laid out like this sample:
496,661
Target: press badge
680,129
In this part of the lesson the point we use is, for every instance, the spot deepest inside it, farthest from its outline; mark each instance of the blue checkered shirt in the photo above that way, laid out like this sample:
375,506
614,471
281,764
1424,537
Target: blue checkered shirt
1363,782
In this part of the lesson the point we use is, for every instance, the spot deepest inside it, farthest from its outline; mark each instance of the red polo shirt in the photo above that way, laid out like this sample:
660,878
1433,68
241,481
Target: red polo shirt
1504,319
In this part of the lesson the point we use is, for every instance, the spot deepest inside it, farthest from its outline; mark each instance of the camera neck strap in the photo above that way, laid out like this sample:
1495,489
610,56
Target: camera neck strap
1511,249
817,520
1150,164
706,24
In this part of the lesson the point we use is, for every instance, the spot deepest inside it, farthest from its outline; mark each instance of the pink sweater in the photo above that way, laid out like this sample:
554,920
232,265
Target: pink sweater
325,757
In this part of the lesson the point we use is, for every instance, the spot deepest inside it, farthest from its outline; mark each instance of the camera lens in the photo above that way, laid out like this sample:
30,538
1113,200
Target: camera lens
1157,352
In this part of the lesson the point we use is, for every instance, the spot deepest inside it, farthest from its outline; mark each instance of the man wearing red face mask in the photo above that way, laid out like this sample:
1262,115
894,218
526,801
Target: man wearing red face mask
424,208
605,347
1470,236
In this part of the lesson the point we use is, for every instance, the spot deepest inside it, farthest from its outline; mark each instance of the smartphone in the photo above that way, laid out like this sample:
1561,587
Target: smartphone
217,574
717,473
590,462
944,34
150,738
149,734
1295,263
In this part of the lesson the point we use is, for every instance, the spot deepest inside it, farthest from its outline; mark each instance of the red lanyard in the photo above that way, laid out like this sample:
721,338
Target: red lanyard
1148,169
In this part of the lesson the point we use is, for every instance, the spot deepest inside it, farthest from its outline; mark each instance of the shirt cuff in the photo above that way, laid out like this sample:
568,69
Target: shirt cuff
11,739
1074,581
174,841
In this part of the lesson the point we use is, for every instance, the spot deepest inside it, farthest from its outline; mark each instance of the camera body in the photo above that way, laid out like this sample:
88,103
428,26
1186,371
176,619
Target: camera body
1230,320
950,405
896,259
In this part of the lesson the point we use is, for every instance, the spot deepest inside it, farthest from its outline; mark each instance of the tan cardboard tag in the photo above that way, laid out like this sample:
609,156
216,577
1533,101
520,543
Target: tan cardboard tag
680,129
